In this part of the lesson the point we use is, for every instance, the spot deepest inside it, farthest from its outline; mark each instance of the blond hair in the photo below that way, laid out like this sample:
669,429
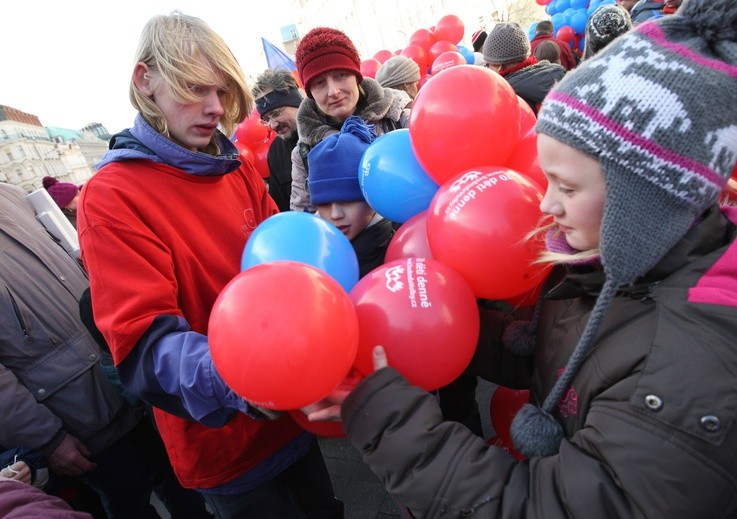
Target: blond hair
175,46
557,258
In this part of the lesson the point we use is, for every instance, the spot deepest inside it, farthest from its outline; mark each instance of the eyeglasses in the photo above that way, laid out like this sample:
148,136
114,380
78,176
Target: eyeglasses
272,115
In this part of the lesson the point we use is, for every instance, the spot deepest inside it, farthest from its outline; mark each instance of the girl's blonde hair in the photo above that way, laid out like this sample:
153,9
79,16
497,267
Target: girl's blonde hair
558,258
175,46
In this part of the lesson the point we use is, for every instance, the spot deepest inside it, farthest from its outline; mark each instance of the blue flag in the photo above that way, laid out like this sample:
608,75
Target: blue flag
277,58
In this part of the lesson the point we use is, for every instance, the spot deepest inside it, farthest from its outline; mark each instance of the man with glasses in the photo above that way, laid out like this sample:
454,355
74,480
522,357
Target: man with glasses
278,96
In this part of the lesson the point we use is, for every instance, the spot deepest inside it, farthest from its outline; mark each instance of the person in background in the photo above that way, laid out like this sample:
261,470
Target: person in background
25,465
632,375
329,67
66,196
543,33
400,73
547,51
335,192
507,52
645,10
627,5
54,396
162,228
477,40
603,26
278,97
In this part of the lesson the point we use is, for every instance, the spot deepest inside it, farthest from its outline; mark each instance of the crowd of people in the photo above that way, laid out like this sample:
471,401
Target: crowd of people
107,383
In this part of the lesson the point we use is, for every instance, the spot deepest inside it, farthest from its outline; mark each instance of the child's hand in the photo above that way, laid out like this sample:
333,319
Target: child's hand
328,409
18,471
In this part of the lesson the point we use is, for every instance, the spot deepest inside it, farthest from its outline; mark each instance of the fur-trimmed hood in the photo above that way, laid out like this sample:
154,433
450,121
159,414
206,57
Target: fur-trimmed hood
378,103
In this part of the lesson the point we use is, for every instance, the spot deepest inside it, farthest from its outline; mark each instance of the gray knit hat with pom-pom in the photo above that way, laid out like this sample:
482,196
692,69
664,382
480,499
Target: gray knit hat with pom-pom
658,109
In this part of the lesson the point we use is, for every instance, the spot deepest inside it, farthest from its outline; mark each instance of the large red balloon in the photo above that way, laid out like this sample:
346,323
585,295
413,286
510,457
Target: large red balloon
245,153
477,224
449,28
424,315
369,67
276,366
419,55
322,429
423,38
410,240
439,47
252,132
524,160
527,118
447,59
503,406
464,118
383,55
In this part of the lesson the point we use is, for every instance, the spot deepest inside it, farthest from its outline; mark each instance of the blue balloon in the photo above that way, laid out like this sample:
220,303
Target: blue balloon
467,54
593,6
582,43
579,4
303,237
559,20
531,31
392,180
550,9
578,21
562,5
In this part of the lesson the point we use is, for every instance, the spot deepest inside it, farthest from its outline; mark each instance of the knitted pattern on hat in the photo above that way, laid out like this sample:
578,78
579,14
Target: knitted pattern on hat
324,49
335,161
658,108
61,192
397,71
506,43
605,24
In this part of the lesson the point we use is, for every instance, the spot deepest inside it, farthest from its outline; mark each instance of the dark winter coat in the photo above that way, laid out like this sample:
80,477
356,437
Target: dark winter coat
649,419
534,82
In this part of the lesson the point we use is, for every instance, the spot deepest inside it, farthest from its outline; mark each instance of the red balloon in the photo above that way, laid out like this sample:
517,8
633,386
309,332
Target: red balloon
527,118
252,132
477,224
566,33
383,55
423,38
440,47
446,60
424,315
369,67
526,299
270,364
450,122
543,2
410,240
449,28
260,161
419,55
495,441
503,406
244,152
524,160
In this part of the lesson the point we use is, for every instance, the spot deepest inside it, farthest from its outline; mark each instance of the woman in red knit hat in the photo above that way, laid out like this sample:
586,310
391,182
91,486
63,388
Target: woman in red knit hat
330,70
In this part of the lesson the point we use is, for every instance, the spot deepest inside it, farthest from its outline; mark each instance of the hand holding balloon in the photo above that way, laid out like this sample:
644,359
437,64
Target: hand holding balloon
328,409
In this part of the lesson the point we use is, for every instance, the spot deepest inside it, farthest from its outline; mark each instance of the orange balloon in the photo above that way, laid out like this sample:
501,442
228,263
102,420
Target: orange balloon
424,315
275,366
477,224
464,118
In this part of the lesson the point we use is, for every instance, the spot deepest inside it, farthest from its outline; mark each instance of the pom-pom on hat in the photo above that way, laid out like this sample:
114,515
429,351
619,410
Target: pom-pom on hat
334,163
397,71
478,39
61,192
507,43
324,49
605,24
658,109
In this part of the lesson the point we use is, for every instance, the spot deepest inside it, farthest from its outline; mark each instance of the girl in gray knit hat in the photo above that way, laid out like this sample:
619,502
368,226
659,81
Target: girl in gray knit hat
633,365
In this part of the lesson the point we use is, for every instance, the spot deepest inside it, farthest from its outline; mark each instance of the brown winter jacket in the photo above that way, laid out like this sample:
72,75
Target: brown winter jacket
649,418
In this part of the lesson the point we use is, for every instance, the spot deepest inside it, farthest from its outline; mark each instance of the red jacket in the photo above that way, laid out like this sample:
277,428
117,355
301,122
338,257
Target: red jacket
566,54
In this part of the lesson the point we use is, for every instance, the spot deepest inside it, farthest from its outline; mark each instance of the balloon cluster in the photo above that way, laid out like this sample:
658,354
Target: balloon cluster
569,19
464,183
433,49
253,138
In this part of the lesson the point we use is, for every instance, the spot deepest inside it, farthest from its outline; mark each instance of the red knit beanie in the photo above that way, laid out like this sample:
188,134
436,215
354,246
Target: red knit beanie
61,192
324,49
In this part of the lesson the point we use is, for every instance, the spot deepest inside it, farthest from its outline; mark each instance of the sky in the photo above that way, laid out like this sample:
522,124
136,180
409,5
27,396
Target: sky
69,63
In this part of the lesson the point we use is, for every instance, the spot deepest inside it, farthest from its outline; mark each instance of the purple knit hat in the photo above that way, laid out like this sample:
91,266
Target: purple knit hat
61,192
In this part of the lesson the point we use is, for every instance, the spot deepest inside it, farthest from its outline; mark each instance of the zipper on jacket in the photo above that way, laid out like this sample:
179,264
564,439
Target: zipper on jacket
19,317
